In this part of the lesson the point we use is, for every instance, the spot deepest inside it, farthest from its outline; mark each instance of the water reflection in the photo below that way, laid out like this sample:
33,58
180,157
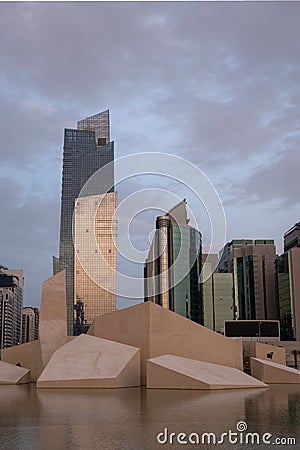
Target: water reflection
131,418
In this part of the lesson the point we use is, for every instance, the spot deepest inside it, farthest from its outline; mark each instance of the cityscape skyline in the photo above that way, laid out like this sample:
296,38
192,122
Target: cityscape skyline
234,114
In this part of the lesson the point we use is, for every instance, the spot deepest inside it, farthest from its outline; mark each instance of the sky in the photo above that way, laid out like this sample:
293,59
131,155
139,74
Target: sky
215,83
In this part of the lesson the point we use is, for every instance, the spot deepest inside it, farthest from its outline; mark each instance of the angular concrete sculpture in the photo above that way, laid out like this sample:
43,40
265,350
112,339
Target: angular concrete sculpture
10,374
91,362
52,329
274,373
28,355
53,316
158,331
174,372
268,352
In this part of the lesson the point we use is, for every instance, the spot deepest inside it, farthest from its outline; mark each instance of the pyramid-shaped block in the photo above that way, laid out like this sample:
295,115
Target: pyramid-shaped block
174,372
91,362
10,374
158,331
273,373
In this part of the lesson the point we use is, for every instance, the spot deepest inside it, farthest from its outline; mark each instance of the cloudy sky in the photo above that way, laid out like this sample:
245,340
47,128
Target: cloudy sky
214,83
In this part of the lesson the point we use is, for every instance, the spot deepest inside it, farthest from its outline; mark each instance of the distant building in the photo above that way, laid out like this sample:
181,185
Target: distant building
288,282
173,267
292,237
30,324
218,303
11,303
252,264
86,150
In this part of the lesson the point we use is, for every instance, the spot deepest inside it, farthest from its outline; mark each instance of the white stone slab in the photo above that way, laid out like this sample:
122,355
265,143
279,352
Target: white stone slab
175,372
91,362
11,374
274,373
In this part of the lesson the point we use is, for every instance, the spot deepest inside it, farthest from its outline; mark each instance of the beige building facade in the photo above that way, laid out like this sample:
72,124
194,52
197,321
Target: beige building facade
30,324
95,234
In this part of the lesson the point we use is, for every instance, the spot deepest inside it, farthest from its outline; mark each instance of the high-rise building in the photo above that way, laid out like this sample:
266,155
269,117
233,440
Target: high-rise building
292,237
288,282
11,303
173,267
217,295
86,150
252,263
30,324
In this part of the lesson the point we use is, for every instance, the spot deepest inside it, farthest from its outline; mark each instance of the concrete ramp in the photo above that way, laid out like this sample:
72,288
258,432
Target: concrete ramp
91,362
273,373
175,372
10,374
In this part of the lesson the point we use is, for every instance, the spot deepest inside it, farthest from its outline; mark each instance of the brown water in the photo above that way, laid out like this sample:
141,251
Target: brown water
132,418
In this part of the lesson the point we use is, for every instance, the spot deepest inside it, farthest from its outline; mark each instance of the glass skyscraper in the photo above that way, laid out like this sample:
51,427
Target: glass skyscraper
86,150
251,263
173,267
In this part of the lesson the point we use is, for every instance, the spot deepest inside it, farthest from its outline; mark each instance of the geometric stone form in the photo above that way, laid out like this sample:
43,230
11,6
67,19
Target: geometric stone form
268,352
10,374
174,372
53,316
28,355
274,373
158,331
91,362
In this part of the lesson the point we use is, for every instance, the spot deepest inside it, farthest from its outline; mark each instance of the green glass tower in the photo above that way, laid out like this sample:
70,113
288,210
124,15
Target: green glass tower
173,267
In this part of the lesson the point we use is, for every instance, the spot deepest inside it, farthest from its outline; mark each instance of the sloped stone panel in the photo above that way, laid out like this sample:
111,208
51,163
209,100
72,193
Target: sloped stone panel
91,362
274,373
10,374
174,372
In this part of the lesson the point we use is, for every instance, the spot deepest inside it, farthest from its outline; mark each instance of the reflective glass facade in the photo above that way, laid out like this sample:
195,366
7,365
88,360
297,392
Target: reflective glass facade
86,150
252,264
218,300
175,258
95,280
287,327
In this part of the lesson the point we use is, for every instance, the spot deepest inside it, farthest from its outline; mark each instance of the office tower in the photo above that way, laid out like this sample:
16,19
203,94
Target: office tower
86,150
217,294
288,282
98,294
173,267
30,324
252,264
292,237
11,303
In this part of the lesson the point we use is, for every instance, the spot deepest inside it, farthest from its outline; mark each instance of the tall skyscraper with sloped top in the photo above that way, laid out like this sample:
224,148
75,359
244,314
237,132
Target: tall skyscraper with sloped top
173,267
86,150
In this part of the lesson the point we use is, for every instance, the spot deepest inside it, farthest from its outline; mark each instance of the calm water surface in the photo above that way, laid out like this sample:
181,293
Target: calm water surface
132,418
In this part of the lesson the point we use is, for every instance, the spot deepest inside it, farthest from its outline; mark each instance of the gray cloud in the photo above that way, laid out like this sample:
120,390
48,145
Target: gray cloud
278,180
214,82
